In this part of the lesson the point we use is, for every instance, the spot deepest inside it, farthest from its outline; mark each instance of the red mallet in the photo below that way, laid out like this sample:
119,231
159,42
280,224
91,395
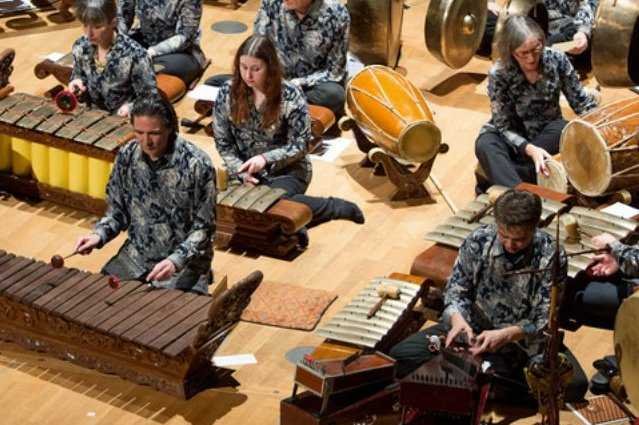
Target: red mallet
114,282
57,261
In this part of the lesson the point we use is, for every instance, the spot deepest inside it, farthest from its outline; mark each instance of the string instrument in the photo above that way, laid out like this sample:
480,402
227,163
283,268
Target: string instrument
163,338
61,157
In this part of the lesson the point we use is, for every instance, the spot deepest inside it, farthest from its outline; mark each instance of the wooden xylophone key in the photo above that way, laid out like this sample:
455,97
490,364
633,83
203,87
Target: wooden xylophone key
81,294
113,297
38,116
172,338
124,309
63,292
166,296
20,109
93,297
40,285
80,123
14,265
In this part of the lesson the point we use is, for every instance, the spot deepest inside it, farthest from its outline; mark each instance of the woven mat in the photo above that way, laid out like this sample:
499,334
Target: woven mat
287,306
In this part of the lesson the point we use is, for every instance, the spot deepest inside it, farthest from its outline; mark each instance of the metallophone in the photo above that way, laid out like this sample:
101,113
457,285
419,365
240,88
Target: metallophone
349,377
257,218
162,338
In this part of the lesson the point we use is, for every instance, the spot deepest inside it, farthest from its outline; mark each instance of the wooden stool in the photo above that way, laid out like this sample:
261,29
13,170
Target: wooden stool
172,87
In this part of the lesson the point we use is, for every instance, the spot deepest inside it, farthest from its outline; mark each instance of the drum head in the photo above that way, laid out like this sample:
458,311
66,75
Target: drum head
420,141
585,157
557,180
454,29
627,346
615,40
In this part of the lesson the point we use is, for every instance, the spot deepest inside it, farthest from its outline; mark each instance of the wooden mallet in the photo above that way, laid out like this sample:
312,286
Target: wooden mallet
385,292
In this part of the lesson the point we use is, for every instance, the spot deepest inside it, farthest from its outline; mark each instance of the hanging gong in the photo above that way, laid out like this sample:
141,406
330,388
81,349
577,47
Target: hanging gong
627,346
375,31
615,42
535,9
454,29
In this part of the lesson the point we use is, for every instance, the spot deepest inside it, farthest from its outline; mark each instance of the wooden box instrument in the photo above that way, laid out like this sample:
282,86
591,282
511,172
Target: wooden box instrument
380,332
65,158
383,45
600,150
255,217
158,337
449,384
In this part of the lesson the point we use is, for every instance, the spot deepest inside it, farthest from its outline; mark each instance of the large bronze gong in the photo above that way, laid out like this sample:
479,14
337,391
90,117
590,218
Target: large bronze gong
615,43
454,29
376,29
536,9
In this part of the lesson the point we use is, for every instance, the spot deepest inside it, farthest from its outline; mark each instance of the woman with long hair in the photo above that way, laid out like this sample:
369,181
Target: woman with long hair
262,128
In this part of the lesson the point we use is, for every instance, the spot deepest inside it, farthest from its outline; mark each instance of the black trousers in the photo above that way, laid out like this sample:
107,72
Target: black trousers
324,209
507,364
507,167
595,302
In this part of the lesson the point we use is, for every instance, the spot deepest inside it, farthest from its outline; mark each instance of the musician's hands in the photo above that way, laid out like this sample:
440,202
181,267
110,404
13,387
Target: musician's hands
162,271
581,41
603,240
457,325
85,244
77,86
603,265
539,157
251,167
493,340
124,110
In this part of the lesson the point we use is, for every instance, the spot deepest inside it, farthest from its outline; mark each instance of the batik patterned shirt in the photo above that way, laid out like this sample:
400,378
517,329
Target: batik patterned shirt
567,17
166,26
283,144
168,207
628,258
521,110
313,49
488,300
128,73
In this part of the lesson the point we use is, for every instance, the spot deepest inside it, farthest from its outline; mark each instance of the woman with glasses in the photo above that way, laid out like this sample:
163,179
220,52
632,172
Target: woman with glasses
524,86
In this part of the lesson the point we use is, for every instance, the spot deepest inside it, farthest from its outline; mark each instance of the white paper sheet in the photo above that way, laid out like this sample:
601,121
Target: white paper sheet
204,92
621,210
330,149
54,56
234,360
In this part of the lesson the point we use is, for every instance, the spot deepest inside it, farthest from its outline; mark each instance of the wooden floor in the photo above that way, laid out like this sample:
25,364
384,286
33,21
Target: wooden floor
342,257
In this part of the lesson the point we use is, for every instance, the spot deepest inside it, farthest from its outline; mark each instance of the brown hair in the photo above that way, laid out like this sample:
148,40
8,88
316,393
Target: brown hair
518,208
95,12
261,48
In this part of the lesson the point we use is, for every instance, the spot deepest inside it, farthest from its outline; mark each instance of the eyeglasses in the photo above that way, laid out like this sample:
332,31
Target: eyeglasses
532,52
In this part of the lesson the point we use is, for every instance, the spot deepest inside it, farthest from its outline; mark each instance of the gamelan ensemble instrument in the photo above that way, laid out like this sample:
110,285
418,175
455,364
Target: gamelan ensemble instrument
626,338
383,45
162,338
388,111
257,218
600,150
348,377
62,157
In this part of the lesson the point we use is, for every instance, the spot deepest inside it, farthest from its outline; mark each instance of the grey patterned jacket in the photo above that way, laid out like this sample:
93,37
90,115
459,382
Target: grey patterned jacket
628,258
284,144
311,50
487,300
128,73
166,26
570,16
521,110
168,207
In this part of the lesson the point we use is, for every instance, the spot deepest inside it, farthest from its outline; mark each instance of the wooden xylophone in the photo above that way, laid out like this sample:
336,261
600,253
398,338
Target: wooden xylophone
257,218
158,337
62,157
347,379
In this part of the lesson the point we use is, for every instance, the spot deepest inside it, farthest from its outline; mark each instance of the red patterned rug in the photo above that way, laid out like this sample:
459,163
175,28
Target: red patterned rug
287,306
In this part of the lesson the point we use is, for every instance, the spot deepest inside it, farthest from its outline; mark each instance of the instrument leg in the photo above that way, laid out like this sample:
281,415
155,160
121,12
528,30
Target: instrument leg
294,395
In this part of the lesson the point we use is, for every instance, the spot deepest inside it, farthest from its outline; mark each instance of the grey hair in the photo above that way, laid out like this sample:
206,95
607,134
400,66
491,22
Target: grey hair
95,12
513,34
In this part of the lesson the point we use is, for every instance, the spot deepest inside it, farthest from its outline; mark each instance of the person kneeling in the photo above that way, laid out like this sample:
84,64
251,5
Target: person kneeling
162,189
503,316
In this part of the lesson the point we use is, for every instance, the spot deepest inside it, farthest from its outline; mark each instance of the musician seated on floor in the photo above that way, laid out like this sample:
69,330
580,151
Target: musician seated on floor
109,68
311,38
262,127
568,20
524,86
169,30
162,189
502,316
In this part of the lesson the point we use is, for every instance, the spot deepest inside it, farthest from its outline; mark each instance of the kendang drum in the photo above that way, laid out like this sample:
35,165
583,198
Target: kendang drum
557,179
393,114
615,37
626,342
600,150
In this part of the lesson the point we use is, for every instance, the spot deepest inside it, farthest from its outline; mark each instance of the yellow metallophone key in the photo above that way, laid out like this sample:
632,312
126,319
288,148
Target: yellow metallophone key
78,173
40,162
59,168
99,172
21,157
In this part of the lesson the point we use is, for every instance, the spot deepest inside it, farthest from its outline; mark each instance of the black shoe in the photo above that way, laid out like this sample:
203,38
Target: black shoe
599,384
347,210
302,238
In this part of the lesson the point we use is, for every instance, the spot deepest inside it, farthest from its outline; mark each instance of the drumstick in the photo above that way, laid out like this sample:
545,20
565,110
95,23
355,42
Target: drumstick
448,201
385,292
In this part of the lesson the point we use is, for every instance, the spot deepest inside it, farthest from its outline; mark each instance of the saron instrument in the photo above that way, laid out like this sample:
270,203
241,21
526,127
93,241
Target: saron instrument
163,338
393,114
382,45
600,150
615,40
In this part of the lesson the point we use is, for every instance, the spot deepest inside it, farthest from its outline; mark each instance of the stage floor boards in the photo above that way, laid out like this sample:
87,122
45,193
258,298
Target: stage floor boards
342,256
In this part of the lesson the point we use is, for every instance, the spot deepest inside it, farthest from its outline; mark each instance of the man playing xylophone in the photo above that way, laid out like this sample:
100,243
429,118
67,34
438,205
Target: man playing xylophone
162,189
502,315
